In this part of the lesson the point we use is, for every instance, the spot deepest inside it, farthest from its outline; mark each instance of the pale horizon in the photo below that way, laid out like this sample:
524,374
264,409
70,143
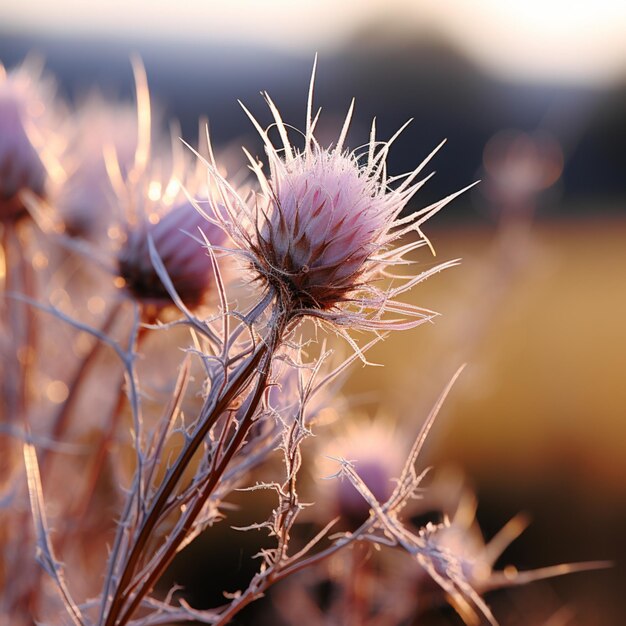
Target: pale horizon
551,41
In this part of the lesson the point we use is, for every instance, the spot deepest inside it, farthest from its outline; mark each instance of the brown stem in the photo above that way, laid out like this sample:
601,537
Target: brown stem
112,424
61,419
356,594
267,579
10,363
12,372
29,351
209,415
21,324
59,426
270,579
234,445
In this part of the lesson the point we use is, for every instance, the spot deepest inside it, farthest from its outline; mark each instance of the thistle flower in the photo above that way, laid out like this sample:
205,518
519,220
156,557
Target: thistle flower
151,204
85,200
376,450
186,261
21,166
462,564
320,232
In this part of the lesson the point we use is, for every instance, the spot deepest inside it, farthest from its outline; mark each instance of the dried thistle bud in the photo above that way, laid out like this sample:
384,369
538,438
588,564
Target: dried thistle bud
325,221
185,259
321,232
377,453
460,563
21,166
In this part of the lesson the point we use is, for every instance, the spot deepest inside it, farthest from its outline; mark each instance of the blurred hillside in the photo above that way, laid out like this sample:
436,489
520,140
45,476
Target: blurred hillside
393,77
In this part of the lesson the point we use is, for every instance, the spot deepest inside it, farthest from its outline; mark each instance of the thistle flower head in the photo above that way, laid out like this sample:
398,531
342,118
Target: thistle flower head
377,451
186,260
84,199
322,229
461,563
21,166
325,221
153,207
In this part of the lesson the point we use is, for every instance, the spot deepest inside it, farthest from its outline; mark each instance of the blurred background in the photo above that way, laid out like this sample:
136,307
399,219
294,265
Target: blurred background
531,97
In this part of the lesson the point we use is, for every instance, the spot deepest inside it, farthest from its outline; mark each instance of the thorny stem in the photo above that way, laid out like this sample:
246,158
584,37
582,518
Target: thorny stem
294,564
86,498
103,445
61,420
21,322
209,415
247,421
211,412
256,591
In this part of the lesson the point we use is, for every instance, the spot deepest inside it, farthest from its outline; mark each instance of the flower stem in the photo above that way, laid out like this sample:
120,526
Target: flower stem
196,507
215,406
61,419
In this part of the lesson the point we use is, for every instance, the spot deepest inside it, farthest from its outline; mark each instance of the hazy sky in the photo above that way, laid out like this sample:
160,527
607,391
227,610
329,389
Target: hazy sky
567,40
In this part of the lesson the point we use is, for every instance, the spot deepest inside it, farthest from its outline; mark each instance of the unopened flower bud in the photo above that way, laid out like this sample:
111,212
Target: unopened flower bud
185,259
326,219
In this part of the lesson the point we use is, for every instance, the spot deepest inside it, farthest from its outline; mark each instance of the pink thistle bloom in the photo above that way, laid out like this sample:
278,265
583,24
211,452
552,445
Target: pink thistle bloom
84,199
186,260
321,232
377,450
21,166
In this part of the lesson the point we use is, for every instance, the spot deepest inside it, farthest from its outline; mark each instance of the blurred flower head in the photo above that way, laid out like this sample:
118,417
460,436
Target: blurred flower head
99,130
519,166
24,99
377,451
186,260
149,201
456,557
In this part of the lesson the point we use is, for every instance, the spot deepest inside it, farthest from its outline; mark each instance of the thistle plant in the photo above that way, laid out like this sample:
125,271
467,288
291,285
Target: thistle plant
317,246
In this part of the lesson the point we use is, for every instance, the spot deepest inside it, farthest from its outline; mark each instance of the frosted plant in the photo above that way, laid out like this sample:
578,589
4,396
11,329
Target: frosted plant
161,215
319,239
323,229
320,233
